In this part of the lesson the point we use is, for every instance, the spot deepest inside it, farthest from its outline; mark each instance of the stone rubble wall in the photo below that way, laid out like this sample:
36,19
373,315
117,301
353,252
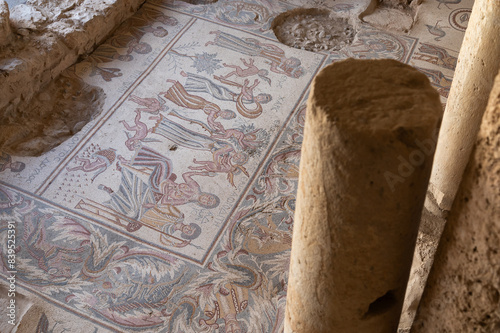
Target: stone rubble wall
47,37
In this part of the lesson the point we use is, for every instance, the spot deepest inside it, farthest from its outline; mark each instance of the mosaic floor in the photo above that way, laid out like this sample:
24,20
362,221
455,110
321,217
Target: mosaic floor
172,210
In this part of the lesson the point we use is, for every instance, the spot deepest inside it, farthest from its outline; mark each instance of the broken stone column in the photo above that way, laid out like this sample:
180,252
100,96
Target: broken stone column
478,62
463,289
5,31
365,164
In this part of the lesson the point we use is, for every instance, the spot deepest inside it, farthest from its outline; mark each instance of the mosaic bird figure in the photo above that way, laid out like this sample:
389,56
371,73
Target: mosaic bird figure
436,31
446,2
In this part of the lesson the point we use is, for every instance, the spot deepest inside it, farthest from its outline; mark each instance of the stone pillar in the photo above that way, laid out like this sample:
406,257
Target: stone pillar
5,31
365,164
463,289
478,62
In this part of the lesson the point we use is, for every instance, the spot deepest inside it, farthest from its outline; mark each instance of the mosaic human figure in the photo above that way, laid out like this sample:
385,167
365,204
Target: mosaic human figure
247,141
104,53
178,95
170,220
275,56
181,96
154,203
177,194
246,96
150,105
140,128
185,137
98,162
225,160
147,160
163,181
7,163
249,71
194,140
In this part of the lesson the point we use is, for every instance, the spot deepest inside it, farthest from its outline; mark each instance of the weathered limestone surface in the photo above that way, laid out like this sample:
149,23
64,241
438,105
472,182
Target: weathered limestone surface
49,37
5,31
478,62
364,169
463,289
398,15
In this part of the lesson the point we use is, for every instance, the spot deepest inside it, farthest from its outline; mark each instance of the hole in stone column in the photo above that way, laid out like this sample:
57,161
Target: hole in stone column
381,305
313,29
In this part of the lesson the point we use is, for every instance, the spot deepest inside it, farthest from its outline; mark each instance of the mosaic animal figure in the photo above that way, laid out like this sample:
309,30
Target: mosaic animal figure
436,30
262,14
266,238
438,80
231,297
52,258
436,55
448,2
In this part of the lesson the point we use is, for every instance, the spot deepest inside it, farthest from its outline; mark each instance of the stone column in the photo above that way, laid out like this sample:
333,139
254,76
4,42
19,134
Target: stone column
463,289
365,164
5,31
478,62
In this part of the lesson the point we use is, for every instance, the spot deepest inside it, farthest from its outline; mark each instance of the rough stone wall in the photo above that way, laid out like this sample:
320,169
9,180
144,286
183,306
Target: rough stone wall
463,290
49,36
